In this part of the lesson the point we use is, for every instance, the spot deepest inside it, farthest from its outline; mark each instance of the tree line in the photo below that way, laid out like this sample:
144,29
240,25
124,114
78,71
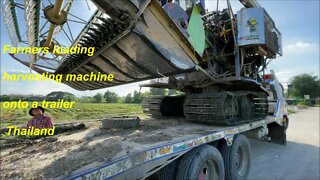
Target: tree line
108,96
135,97
304,84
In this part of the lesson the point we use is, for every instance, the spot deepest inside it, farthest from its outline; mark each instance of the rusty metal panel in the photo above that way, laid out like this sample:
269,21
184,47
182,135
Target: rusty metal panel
105,66
122,61
164,39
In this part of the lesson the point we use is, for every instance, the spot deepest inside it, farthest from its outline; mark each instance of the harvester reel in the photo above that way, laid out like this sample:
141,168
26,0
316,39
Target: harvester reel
51,17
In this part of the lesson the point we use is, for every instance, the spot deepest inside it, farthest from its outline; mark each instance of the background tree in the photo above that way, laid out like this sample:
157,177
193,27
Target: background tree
172,92
121,99
136,97
85,99
69,97
56,95
128,98
158,91
5,98
305,84
111,97
144,95
98,98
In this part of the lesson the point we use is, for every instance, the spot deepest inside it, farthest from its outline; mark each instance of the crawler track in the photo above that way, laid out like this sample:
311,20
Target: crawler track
163,106
226,108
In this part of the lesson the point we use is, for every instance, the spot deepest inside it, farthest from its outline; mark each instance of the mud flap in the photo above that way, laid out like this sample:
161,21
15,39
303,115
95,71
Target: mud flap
277,134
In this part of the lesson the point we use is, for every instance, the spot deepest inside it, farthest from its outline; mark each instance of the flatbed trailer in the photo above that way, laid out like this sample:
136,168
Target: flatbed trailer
140,159
141,152
157,149
161,147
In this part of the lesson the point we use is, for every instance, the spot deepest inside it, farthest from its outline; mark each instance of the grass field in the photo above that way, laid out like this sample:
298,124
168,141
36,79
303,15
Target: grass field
79,113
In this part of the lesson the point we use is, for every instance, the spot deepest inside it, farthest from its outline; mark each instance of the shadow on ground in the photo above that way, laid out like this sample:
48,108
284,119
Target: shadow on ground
294,161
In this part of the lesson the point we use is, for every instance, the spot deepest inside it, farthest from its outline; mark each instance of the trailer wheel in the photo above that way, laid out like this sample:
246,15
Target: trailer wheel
169,171
237,158
204,162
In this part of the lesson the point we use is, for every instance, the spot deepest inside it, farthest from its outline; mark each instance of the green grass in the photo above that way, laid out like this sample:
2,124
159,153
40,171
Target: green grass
291,111
79,113
302,106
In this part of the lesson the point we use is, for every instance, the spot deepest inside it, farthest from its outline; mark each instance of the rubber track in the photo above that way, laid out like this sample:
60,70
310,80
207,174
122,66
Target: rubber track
209,108
151,105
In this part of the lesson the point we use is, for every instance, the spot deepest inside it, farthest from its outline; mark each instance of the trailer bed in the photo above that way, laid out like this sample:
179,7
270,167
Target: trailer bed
96,153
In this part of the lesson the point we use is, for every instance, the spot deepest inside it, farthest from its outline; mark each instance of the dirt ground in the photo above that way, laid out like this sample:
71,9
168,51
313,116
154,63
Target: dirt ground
72,151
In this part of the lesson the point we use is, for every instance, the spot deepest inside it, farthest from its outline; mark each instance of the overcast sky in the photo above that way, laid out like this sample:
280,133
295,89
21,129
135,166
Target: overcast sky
298,21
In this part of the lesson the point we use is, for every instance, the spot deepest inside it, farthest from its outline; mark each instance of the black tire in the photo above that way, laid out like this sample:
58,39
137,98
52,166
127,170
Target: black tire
205,160
169,172
237,158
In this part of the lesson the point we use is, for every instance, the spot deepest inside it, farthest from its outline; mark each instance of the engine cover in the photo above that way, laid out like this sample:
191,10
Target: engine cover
256,28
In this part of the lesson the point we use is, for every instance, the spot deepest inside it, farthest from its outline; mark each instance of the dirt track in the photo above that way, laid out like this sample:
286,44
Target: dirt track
299,159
